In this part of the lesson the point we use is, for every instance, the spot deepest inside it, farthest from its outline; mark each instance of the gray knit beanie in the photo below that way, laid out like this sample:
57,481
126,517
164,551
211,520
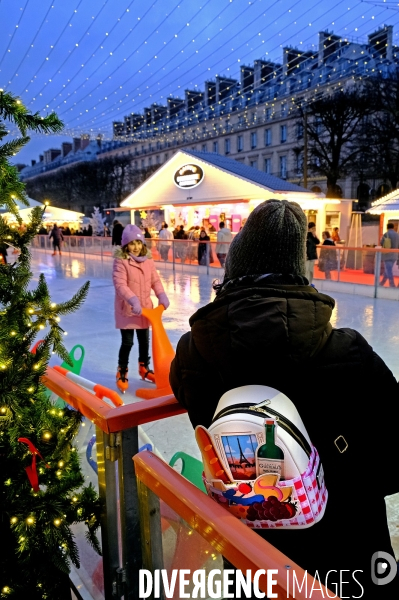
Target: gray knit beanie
271,241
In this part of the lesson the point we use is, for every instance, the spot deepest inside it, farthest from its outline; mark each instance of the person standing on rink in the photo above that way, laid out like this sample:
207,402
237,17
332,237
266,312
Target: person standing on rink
224,237
311,252
134,276
58,238
268,326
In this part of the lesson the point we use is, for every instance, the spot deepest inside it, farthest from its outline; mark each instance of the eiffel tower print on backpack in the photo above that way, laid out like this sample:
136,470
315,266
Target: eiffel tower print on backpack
259,462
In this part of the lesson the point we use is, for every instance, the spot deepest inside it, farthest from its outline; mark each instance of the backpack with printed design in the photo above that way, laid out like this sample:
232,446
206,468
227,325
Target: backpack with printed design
259,462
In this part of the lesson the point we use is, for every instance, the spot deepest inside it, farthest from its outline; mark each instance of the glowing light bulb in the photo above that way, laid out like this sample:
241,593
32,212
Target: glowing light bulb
3,410
47,435
30,520
14,520
61,463
57,522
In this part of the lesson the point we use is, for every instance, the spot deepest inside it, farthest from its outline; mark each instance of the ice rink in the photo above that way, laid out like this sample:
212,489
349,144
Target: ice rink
92,326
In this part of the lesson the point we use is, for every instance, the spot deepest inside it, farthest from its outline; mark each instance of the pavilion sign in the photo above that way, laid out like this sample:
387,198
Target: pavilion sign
188,176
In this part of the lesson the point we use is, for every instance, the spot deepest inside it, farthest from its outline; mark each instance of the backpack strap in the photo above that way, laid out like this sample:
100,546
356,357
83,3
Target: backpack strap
285,424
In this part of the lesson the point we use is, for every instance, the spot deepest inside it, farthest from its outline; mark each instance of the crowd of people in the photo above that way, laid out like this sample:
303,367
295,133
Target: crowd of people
193,243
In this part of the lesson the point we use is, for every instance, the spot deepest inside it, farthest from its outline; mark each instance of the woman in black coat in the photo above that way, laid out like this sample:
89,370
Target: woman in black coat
328,257
202,247
267,326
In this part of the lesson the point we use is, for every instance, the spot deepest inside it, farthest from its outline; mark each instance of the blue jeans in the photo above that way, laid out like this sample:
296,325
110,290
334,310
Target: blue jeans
388,267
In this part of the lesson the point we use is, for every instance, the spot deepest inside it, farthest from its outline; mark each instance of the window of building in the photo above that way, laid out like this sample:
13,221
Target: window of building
150,161
268,113
253,117
284,109
150,147
283,133
204,129
240,121
142,149
216,147
158,145
253,163
283,167
203,147
268,137
183,137
158,159
268,165
254,139
240,143
299,131
135,164
142,163
166,156
227,146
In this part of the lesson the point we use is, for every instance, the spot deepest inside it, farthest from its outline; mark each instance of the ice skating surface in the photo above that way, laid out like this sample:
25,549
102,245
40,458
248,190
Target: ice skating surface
93,327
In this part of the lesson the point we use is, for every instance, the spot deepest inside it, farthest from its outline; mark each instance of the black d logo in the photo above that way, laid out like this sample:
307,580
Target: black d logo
188,176
383,568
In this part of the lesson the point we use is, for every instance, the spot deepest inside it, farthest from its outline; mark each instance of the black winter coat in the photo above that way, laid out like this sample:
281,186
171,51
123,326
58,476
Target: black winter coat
280,335
117,234
311,243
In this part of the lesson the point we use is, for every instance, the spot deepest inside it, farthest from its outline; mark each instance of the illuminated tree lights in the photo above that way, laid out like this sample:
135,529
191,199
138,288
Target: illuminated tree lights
41,483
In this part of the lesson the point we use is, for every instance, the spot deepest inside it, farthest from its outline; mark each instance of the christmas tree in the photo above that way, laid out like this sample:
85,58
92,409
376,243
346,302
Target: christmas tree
97,222
41,483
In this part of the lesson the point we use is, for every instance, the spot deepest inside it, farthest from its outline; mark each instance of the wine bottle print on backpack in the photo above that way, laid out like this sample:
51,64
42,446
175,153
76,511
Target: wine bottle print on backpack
259,462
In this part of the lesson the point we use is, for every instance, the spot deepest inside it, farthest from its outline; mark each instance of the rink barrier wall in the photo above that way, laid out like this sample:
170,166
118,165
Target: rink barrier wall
358,271
225,533
131,531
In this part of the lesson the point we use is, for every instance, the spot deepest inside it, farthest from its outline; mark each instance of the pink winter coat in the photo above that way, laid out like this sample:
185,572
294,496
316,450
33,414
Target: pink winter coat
130,279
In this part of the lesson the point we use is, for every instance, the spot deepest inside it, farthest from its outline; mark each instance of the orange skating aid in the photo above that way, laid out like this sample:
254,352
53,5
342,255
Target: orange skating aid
162,353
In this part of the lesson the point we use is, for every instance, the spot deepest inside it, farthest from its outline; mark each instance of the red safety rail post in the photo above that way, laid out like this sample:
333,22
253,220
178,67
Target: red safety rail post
116,443
224,532
162,352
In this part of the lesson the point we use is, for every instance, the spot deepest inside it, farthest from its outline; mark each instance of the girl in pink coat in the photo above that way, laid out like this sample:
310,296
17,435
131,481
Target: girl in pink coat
134,276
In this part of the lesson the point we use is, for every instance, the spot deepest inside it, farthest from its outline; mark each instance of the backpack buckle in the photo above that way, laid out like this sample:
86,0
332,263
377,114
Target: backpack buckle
341,444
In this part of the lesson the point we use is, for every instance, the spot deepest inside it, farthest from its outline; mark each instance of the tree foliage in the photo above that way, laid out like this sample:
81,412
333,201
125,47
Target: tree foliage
381,136
82,186
35,515
333,125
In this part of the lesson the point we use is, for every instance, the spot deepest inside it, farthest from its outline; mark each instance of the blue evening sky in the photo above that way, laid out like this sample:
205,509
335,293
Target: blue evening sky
93,62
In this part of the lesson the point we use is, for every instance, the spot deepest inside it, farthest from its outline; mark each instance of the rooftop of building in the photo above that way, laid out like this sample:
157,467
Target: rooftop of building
301,69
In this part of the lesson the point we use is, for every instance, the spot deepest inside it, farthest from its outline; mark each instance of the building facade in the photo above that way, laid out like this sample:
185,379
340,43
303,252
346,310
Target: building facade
255,120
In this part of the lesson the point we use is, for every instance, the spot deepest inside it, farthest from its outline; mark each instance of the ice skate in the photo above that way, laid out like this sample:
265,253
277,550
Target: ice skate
145,373
121,379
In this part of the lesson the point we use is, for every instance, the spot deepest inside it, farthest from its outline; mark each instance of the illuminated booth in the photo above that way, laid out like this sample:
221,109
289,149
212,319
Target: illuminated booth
52,214
203,188
388,209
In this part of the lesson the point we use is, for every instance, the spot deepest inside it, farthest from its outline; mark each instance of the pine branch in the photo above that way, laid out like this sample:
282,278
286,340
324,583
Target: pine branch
12,109
65,308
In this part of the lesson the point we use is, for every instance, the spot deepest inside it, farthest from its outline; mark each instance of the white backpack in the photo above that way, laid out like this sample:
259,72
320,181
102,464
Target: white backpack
259,462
